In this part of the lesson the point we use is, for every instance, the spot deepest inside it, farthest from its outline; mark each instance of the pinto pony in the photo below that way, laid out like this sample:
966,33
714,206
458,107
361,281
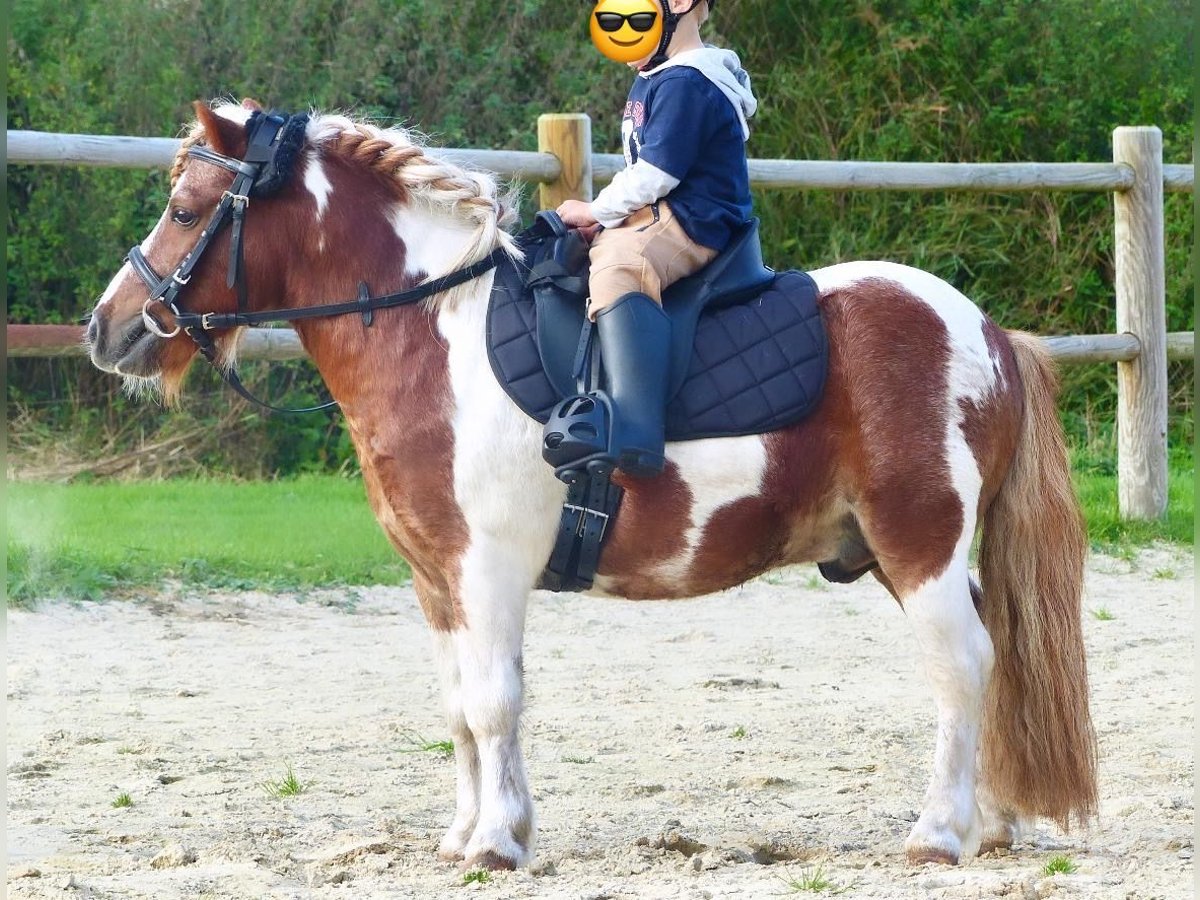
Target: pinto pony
935,423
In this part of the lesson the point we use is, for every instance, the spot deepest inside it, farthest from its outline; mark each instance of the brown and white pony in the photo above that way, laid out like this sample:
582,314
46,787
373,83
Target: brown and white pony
935,423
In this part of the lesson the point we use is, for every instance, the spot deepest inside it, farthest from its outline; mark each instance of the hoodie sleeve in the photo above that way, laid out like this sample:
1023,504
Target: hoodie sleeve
632,188
677,129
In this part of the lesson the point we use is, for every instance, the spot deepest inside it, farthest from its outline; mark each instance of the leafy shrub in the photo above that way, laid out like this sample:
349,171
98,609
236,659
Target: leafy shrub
933,80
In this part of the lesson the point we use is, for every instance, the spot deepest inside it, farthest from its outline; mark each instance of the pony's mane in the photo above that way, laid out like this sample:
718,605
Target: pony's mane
469,196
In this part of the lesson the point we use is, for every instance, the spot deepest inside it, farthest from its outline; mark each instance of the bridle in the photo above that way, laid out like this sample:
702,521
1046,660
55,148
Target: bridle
275,140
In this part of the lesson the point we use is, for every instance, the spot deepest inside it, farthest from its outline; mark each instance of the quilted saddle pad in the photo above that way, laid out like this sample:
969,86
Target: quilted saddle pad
755,366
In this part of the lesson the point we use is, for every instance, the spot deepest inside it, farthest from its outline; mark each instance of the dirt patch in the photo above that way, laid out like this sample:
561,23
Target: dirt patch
723,747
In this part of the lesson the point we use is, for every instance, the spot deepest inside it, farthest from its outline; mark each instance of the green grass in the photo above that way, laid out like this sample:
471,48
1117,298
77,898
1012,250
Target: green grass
99,540
122,801
1101,614
91,541
1060,865
813,881
477,876
287,786
1096,485
418,743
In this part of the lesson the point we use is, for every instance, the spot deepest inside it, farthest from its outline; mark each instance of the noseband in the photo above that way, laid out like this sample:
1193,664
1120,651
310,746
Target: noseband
275,140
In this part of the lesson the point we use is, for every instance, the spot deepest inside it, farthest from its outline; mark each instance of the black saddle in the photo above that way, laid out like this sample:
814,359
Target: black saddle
748,349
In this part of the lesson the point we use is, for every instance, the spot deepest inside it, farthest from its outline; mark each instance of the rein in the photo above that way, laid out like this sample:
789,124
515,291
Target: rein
275,140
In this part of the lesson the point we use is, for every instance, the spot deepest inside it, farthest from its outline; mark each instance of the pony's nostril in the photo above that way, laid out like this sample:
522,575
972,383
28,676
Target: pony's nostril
93,330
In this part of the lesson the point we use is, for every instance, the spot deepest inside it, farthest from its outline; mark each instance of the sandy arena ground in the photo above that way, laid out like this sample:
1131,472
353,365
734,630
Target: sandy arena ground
722,747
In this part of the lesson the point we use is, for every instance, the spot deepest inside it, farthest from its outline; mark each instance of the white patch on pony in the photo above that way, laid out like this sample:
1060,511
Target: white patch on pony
234,112
717,471
433,242
110,291
126,269
466,754
317,184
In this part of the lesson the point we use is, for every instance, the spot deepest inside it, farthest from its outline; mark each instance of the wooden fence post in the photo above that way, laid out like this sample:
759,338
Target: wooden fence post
569,137
1142,312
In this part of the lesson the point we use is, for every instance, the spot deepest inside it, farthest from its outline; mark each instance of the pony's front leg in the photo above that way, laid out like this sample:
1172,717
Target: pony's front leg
490,688
466,753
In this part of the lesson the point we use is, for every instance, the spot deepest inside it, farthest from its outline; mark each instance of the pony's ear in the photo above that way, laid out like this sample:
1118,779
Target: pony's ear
252,105
224,137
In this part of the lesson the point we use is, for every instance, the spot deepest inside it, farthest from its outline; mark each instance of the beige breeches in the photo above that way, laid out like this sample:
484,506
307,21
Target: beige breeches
642,255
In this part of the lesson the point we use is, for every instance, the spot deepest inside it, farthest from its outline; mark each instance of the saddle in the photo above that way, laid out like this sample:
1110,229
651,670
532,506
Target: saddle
748,351
748,354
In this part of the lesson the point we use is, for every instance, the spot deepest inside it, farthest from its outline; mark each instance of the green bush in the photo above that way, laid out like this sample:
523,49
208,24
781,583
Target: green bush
932,80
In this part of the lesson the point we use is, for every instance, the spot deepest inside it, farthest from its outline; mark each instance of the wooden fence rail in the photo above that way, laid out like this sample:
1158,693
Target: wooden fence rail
565,166
30,341
46,148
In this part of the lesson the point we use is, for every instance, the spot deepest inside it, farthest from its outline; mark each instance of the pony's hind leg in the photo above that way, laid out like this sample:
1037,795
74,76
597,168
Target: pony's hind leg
1001,827
957,655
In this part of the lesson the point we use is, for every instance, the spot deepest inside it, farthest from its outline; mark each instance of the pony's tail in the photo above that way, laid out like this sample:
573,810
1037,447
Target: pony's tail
1039,749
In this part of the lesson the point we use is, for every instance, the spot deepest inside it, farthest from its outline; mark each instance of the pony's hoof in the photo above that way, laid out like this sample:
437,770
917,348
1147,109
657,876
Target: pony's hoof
1001,832
995,842
920,855
453,847
489,860
449,854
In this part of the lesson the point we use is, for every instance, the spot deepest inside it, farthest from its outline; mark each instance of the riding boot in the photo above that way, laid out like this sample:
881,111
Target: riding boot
635,336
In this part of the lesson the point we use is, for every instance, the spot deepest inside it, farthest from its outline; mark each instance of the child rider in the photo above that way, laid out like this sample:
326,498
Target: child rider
683,192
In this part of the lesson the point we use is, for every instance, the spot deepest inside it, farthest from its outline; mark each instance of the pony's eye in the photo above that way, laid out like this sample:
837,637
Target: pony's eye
184,217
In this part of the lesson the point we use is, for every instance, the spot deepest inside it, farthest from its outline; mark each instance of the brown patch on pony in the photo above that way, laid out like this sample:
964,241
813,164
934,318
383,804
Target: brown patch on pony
899,477
1038,746
792,517
853,470
407,460
991,427
785,522
648,532
407,463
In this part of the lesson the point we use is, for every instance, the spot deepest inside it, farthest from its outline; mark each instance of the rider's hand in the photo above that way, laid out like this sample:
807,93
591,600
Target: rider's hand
589,232
576,213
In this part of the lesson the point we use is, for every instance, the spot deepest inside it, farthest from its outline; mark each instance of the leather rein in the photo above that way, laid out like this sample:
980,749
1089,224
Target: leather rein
257,173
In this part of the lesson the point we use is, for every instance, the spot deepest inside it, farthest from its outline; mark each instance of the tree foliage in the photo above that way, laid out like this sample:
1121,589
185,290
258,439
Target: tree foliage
934,80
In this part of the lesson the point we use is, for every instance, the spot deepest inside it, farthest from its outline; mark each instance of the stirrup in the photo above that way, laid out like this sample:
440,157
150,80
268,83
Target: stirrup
577,432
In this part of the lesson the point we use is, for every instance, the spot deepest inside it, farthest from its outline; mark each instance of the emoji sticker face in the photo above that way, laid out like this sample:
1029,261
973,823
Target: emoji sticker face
626,30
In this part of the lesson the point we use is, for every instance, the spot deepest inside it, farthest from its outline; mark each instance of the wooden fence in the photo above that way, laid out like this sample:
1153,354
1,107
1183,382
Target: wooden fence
565,166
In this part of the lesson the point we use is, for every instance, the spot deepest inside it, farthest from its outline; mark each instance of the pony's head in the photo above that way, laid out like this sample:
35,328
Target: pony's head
350,202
